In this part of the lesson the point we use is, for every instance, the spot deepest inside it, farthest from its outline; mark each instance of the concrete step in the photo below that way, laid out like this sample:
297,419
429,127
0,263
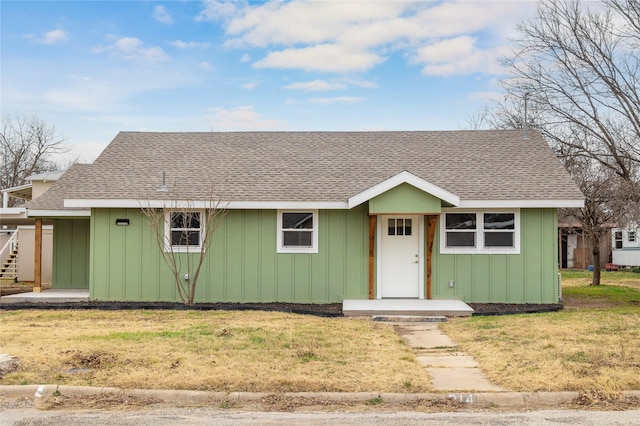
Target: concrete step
409,307
409,318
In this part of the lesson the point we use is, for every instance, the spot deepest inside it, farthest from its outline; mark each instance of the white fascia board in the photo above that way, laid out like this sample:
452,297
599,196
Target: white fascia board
231,205
13,212
60,213
507,204
17,188
400,178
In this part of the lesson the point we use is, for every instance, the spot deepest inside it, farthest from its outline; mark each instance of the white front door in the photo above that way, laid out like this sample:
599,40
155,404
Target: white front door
400,257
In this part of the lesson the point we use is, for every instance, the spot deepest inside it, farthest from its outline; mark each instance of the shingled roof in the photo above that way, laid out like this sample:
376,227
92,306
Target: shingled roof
53,198
321,166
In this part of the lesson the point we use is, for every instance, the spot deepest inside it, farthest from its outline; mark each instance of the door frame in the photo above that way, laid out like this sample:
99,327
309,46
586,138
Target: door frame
379,229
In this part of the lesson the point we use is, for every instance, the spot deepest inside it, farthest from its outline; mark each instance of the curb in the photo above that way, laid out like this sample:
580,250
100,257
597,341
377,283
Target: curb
499,399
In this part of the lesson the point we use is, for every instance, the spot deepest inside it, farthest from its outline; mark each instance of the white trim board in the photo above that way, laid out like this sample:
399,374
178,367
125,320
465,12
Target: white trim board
59,213
400,178
313,205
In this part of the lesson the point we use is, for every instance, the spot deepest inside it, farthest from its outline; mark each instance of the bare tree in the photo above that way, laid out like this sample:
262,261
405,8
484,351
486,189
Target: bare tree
579,63
576,73
26,147
184,231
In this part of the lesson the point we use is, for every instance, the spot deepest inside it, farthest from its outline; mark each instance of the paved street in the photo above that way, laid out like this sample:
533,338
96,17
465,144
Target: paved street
206,416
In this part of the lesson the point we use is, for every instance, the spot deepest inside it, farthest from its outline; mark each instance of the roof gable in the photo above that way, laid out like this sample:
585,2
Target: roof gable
400,178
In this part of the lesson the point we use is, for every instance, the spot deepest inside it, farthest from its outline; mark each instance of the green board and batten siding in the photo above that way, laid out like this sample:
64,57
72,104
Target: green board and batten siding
528,277
242,264
71,253
404,199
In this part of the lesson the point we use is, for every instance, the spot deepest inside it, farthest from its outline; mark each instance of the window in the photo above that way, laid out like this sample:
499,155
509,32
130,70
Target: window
183,231
399,227
480,232
298,231
632,237
499,230
618,238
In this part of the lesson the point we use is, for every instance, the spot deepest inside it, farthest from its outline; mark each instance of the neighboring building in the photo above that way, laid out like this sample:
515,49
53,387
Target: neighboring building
576,250
17,231
626,245
317,217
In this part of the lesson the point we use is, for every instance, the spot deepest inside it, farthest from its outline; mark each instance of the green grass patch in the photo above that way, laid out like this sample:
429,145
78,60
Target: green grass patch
609,276
610,293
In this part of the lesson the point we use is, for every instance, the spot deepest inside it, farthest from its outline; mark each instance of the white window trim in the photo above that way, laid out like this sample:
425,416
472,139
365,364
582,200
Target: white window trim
167,232
314,233
479,231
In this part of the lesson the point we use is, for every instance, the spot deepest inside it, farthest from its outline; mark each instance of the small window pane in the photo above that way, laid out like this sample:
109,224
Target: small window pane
407,227
185,220
499,221
498,239
460,221
618,235
184,238
391,227
296,238
400,226
632,237
461,239
297,220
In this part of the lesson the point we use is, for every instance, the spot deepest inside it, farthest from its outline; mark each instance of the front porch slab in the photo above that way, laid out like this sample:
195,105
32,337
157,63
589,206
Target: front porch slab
413,307
48,296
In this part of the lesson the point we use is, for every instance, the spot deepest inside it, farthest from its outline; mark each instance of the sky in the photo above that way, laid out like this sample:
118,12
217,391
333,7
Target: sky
94,68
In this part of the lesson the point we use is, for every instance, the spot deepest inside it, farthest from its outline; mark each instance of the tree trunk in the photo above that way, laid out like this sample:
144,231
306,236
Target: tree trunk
596,264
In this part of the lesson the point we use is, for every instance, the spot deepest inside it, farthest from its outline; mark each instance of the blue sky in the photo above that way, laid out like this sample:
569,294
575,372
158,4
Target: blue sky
93,68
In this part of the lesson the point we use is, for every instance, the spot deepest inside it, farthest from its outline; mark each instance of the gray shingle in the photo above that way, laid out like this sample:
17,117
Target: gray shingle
321,166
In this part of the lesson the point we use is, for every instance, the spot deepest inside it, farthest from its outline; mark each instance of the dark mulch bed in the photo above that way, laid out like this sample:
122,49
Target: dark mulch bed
512,308
325,310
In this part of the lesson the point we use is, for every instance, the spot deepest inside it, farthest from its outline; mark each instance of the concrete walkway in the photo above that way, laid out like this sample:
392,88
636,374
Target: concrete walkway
450,369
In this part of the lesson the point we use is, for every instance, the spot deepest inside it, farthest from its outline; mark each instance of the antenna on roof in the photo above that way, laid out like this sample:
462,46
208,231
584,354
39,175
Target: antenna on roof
163,187
526,118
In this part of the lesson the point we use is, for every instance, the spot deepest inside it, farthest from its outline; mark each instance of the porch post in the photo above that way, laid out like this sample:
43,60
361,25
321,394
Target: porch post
372,238
37,262
432,221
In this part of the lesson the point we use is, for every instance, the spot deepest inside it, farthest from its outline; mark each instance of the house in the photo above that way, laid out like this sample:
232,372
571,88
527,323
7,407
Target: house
17,231
317,217
626,245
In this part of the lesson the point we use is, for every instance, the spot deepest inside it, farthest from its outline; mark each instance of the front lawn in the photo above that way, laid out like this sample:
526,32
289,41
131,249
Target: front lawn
208,350
592,345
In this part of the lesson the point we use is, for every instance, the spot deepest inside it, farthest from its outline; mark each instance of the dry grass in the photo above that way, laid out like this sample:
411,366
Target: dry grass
208,350
592,345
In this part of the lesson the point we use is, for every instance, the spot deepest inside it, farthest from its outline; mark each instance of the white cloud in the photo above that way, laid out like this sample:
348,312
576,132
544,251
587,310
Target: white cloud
337,100
215,10
133,49
190,44
249,86
325,57
161,14
334,84
245,58
459,55
316,85
52,37
206,65
241,118
345,37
